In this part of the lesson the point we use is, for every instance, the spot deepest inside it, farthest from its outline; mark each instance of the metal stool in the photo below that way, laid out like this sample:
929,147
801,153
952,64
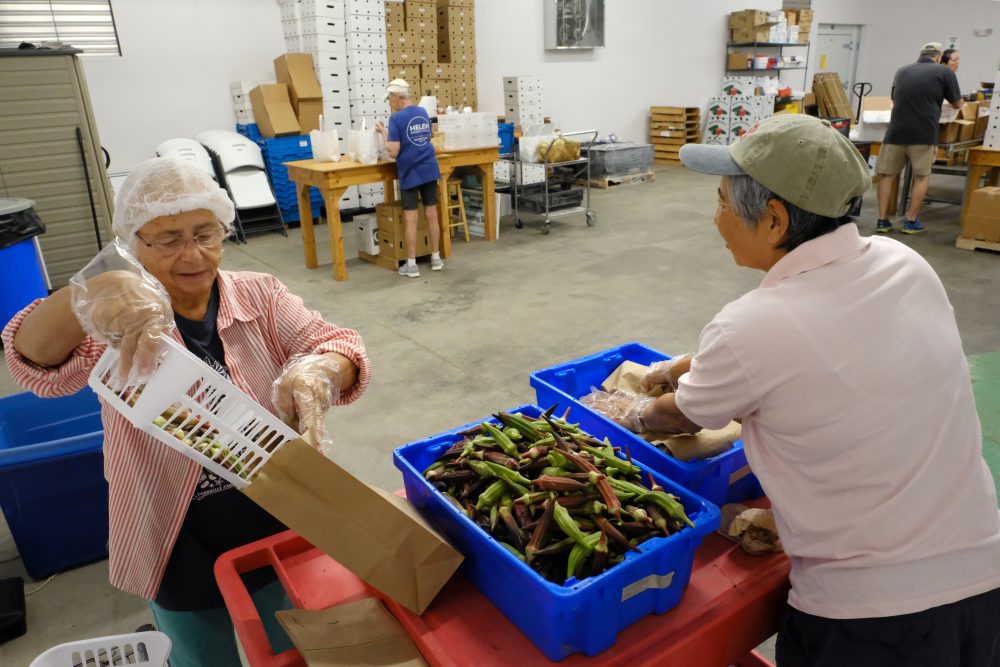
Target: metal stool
454,202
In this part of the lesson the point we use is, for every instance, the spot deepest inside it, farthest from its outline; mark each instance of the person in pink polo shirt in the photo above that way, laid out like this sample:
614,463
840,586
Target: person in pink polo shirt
847,370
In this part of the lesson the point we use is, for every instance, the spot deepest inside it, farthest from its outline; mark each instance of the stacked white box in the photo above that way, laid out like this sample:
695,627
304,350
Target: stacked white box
523,100
370,195
240,92
367,67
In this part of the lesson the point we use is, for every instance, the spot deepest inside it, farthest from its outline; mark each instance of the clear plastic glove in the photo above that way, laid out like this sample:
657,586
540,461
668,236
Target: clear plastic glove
307,388
117,302
663,374
622,407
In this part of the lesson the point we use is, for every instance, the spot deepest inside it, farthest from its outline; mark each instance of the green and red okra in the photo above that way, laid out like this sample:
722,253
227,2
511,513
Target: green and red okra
560,500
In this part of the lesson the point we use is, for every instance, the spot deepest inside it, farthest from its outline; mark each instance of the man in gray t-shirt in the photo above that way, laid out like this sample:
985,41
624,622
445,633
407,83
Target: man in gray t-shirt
918,90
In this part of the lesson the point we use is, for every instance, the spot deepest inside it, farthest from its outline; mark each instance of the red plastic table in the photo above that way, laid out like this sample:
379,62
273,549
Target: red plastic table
730,606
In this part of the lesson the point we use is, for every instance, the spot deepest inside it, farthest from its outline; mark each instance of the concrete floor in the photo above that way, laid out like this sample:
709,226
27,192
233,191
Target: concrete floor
454,346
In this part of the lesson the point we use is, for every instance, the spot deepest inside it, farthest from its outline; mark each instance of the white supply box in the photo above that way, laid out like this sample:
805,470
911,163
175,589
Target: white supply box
322,8
513,84
290,27
350,199
365,58
360,75
530,173
330,60
321,44
370,109
366,23
367,228
366,41
367,91
320,25
501,170
370,195
290,11
245,116
332,80
365,7
241,87
293,43
524,99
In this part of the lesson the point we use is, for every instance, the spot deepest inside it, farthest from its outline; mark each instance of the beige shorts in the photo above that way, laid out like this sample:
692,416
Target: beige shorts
892,158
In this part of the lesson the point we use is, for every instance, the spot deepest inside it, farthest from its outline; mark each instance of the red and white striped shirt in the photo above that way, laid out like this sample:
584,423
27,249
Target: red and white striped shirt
262,325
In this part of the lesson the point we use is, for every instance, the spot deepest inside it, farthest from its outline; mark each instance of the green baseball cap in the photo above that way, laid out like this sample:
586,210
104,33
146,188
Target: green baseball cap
802,159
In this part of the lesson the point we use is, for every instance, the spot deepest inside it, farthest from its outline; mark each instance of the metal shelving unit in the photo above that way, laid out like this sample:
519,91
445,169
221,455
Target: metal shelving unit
576,166
769,45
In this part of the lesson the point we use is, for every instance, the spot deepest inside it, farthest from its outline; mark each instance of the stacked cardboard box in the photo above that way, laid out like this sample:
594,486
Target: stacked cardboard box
523,100
732,114
412,40
240,93
391,240
669,129
830,96
803,19
295,70
456,49
367,70
752,25
272,110
981,219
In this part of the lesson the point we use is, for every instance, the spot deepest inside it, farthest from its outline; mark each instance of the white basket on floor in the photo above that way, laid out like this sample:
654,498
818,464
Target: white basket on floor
193,409
147,649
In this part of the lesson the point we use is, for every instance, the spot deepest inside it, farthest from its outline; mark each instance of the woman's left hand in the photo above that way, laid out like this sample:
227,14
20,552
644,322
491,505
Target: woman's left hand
307,388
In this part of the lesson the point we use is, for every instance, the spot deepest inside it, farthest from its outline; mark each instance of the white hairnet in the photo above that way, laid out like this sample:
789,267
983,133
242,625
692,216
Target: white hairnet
167,186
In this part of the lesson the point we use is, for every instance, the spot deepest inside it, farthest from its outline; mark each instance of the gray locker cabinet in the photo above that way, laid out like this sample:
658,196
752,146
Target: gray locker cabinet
43,99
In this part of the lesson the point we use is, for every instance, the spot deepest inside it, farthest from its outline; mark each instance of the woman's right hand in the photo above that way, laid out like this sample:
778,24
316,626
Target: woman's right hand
128,311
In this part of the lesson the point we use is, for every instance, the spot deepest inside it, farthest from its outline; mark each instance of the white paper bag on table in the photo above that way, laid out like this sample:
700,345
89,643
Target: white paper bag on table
362,144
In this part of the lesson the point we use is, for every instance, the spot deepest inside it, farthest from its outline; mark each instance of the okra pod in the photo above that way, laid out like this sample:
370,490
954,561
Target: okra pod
541,528
559,547
508,447
480,468
507,516
611,459
491,496
600,554
667,503
612,532
518,422
562,484
513,434
581,550
511,549
570,502
555,471
507,474
604,488
566,523
557,459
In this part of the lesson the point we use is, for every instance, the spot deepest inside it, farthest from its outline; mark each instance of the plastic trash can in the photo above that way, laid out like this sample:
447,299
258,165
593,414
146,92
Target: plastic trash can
52,487
22,272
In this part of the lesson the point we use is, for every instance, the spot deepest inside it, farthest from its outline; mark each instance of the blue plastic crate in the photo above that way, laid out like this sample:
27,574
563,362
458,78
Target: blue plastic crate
276,152
251,132
581,616
23,278
506,132
52,487
724,478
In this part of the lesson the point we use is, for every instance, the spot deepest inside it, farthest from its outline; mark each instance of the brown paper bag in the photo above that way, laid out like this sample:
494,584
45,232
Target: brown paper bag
628,377
752,528
358,634
377,536
704,444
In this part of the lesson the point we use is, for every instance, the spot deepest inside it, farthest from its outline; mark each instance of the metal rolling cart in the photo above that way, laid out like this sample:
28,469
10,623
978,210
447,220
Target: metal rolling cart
575,168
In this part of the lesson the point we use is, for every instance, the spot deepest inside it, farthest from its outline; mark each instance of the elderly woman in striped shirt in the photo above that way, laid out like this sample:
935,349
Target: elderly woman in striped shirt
170,518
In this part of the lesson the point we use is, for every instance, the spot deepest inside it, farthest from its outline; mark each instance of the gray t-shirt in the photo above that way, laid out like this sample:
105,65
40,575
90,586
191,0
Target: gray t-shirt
918,90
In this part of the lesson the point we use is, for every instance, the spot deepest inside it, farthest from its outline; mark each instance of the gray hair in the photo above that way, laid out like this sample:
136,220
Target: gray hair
749,200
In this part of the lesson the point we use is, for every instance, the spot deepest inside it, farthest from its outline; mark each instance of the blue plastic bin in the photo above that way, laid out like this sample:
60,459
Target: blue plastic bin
579,617
52,487
22,277
722,479
506,132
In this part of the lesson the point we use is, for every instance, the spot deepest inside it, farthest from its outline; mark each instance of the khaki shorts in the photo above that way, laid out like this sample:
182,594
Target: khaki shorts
892,158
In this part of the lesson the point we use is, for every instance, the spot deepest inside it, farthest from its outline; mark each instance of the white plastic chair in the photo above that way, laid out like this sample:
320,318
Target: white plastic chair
148,649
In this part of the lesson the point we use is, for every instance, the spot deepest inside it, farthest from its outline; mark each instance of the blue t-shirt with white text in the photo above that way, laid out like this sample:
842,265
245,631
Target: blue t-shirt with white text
416,162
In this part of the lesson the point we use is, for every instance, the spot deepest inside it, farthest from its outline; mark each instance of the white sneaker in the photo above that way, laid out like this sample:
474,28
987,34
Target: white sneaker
409,271
437,263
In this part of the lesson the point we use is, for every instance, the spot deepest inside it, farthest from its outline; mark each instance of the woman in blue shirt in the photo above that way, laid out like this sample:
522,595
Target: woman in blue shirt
408,139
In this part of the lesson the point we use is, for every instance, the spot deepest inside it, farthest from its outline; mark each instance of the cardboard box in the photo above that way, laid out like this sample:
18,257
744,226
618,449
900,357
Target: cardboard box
439,88
981,220
468,71
379,537
874,119
367,229
395,17
272,108
982,123
457,42
749,18
403,56
427,27
420,9
391,239
456,3
455,25
450,12
295,70
308,115
438,71
957,130
737,61
739,85
969,111
409,73
747,35
457,56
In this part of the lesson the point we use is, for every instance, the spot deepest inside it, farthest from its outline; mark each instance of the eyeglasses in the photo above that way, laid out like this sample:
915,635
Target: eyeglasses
172,244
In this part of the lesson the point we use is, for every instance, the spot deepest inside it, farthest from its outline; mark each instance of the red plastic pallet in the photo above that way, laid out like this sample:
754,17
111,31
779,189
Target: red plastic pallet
730,606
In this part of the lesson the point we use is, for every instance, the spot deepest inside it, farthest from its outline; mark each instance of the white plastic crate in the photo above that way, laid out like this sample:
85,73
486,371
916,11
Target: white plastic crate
321,25
367,91
368,58
318,45
365,23
369,7
191,408
148,649
366,41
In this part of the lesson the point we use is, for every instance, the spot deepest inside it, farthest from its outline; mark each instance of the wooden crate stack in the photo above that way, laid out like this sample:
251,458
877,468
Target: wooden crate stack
456,26
669,129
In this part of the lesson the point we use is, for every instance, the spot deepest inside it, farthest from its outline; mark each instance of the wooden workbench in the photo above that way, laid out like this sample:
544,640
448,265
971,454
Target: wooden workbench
982,162
333,178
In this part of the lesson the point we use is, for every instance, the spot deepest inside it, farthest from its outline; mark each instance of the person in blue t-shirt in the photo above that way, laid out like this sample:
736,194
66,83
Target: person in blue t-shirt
408,139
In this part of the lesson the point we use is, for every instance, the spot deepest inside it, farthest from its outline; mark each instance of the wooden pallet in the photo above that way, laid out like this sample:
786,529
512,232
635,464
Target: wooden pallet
614,181
973,244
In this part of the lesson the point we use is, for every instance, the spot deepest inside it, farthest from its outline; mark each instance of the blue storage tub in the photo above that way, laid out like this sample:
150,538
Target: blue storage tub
23,278
52,487
724,478
581,616
506,132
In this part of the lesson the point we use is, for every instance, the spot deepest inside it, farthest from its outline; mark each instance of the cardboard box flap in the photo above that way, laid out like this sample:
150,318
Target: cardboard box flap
295,70
378,537
357,634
